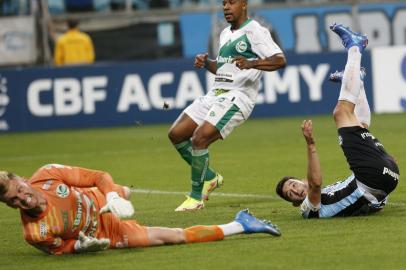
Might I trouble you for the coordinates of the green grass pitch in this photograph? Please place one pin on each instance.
(252, 160)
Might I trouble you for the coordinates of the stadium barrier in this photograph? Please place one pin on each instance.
(134, 93)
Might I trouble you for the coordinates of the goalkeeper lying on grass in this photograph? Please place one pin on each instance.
(70, 209)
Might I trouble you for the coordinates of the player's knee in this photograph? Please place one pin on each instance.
(179, 236)
(172, 236)
(199, 140)
(174, 135)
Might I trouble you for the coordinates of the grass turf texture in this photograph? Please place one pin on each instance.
(252, 160)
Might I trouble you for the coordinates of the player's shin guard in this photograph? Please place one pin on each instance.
(351, 82)
(185, 150)
(197, 234)
(362, 110)
(200, 165)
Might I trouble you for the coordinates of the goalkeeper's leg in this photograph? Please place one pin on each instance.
(244, 222)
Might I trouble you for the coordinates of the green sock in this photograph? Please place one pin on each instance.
(200, 165)
(185, 151)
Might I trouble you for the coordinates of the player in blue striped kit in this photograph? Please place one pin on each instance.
(375, 172)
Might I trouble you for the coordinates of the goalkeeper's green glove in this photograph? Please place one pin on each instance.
(90, 244)
(120, 207)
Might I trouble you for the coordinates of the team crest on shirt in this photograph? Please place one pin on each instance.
(241, 46)
(62, 191)
(340, 140)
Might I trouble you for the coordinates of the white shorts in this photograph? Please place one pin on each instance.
(219, 111)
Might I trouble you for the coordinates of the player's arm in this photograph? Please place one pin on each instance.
(314, 176)
(203, 61)
(81, 177)
(272, 63)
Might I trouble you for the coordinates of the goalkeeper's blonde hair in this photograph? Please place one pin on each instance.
(4, 178)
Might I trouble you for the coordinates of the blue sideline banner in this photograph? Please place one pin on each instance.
(303, 29)
(134, 93)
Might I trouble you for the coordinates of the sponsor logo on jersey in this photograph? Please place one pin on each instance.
(124, 243)
(366, 135)
(212, 114)
(65, 219)
(378, 144)
(47, 185)
(241, 46)
(222, 60)
(78, 216)
(43, 229)
(62, 191)
(391, 173)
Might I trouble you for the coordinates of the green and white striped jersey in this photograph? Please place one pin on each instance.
(251, 41)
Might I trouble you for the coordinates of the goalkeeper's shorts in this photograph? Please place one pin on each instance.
(124, 233)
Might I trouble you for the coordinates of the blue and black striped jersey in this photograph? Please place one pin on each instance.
(345, 198)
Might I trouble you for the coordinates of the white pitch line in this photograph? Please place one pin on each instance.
(230, 195)
(218, 194)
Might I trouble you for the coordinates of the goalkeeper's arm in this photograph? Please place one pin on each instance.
(82, 177)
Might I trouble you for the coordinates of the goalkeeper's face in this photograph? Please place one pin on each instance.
(20, 195)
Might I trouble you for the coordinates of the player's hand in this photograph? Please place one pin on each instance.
(200, 60)
(243, 63)
(307, 130)
(120, 207)
(91, 244)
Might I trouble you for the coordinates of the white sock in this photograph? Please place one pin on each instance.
(351, 82)
(362, 110)
(232, 228)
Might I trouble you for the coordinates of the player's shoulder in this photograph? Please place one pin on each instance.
(255, 26)
(225, 30)
(84, 35)
(308, 210)
(256, 32)
(48, 171)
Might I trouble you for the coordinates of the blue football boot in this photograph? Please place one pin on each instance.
(350, 38)
(338, 75)
(253, 225)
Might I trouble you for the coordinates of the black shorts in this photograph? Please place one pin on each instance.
(368, 159)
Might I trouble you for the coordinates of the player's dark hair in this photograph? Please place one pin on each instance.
(72, 23)
(279, 187)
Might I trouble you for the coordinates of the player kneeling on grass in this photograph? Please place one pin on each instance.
(375, 173)
(70, 209)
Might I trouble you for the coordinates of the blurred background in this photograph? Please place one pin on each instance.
(141, 56)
